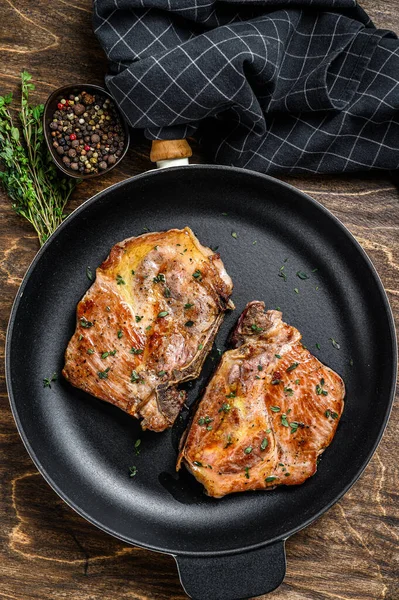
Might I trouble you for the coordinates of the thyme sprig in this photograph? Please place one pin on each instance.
(37, 191)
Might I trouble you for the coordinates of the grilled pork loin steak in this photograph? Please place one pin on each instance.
(270, 409)
(147, 324)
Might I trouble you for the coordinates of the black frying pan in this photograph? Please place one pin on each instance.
(234, 547)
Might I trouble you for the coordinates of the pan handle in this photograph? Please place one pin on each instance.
(170, 153)
(235, 576)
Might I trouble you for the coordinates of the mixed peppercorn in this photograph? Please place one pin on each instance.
(87, 133)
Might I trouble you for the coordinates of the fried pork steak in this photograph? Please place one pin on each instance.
(268, 412)
(147, 324)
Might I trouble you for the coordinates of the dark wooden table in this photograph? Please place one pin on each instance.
(49, 552)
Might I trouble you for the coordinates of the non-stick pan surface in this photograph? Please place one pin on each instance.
(84, 447)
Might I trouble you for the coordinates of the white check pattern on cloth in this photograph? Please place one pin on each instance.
(294, 86)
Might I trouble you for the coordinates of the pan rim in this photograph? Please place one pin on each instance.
(176, 552)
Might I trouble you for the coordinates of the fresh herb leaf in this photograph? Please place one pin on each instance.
(135, 377)
(292, 367)
(302, 275)
(167, 293)
(197, 274)
(138, 319)
(276, 381)
(197, 463)
(248, 450)
(159, 278)
(289, 391)
(119, 334)
(47, 381)
(188, 305)
(162, 314)
(260, 368)
(134, 350)
(284, 420)
(90, 351)
(264, 444)
(133, 471)
(120, 280)
(294, 426)
(137, 444)
(103, 374)
(282, 274)
(105, 355)
(296, 290)
(335, 343)
(89, 274)
(189, 323)
(200, 346)
(277, 355)
(247, 472)
(85, 323)
(133, 272)
(275, 408)
(318, 346)
(161, 373)
(234, 235)
(231, 395)
(351, 362)
(225, 407)
(256, 328)
(270, 478)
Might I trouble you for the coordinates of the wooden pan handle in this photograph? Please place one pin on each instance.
(169, 149)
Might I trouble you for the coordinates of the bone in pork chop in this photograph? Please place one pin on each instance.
(268, 412)
(147, 324)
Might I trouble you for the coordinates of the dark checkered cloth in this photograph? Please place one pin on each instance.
(306, 86)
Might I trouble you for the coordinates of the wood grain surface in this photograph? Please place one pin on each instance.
(49, 552)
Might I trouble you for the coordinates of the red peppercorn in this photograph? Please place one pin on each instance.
(60, 106)
(72, 137)
(87, 148)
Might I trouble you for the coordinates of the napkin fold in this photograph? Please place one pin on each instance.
(306, 86)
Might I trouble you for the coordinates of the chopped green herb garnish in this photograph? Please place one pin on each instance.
(284, 420)
(225, 407)
(103, 374)
(282, 274)
(136, 350)
(255, 328)
(47, 381)
(138, 319)
(89, 274)
(188, 305)
(297, 381)
(120, 280)
(197, 463)
(330, 413)
(214, 248)
(296, 290)
(335, 344)
(276, 381)
(137, 444)
(224, 214)
(289, 391)
(277, 355)
(85, 323)
(229, 440)
(302, 275)
(275, 408)
(264, 444)
(90, 351)
(257, 377)
(294, 426)
(201, 421)
(197, 274)
(158, 278)
(351, 362)
(319, 389)
(234, 235)
(133, 272)
(270, 478)
(200, 346)
(209, 428)
(167, 292)
(292, 367)
(268, 431)
(162, 314)
(119, 334)
(161, 373)
(135, 377)
(254, 242)
(247, 472)
(248, 450)
(231, 395)
(80, 338)
(132, 471)
(148, 328)
(105, 355)
(189, 323)
(318, 346)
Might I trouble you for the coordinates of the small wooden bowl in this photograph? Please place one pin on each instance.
(51, 106)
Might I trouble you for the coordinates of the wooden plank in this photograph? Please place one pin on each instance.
(46, 550)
